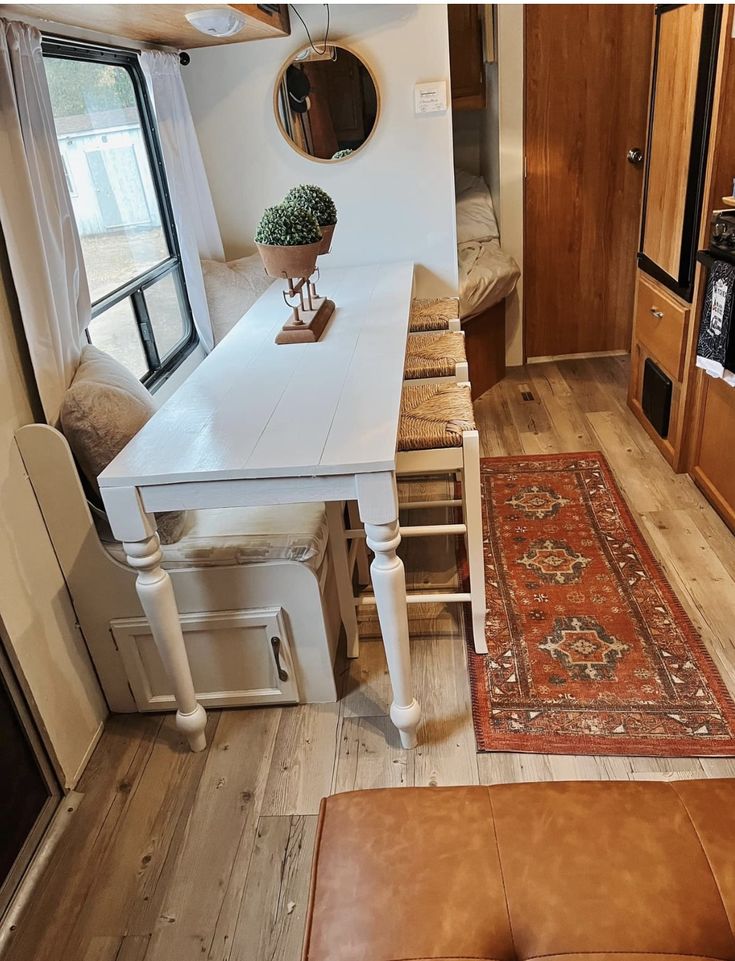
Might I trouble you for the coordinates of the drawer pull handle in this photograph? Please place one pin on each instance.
(658, 314)
(276, 645)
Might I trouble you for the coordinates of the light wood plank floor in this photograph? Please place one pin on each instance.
(174, 857)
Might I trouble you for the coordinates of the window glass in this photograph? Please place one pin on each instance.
(116, 332)
(164, 309)
(114, 171)
(104, 151)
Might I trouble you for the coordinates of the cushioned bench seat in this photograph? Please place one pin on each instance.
(600, 871)
(245, 535)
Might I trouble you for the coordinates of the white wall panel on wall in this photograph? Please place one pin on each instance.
(38, 618)
(395, 197)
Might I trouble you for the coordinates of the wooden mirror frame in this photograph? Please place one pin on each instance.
(279, 122)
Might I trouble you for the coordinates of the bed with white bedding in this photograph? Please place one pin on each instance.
(487, 275)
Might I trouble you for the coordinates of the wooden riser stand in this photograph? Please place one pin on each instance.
(309, 316)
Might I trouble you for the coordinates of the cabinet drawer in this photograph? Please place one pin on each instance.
(661, 326)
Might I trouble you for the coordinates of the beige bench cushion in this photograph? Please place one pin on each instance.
(103, 409)
(232, 289)
(246, 535)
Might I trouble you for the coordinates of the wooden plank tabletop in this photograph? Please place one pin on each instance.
(257, 409)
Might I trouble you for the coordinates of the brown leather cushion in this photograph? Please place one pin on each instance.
(580, 871)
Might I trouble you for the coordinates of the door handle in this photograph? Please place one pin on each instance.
(276, 646)
(634, 156)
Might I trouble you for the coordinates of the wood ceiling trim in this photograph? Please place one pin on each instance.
(148, 23)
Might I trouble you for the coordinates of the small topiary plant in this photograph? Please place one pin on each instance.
(341, 154)
(316, 200)
(287, 225)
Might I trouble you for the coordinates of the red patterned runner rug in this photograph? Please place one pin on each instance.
(590, 650)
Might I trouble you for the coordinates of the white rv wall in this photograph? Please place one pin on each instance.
(45, 645)
(395, 198)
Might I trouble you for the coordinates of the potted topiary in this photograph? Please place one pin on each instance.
(289, 240)
(320, 204)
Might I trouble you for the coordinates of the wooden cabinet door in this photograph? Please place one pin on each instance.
(466, 62)
(237, 658)
(672, 120)
(587, 80)
(713, 466)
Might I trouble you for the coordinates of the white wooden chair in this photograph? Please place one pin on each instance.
(258, 605)
(435, 353)
(437, 435)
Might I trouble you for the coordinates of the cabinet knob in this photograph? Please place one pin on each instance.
(658, 314)
(634, 156)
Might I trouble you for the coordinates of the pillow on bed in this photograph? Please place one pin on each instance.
(465, 181)
(475, 212)
(104, 408)
(231, 290)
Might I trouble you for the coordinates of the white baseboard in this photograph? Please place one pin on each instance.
(72, 782)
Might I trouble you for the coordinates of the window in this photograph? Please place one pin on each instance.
(112, 159)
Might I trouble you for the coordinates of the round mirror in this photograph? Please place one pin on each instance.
(327, 104)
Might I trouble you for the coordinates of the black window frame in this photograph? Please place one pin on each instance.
(134, 289)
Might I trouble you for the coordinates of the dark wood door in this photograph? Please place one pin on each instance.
(587, 71)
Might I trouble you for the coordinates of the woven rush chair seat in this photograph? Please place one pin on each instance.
(434, 416)
(434, 355)
(433, 313)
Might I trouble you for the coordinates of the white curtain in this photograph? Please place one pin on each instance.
(37, 219)
(196, 221)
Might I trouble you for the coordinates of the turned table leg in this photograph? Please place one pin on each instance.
(389, 584)
(156, 594)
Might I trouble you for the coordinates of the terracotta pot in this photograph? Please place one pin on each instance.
(327, 232)
(298, 260)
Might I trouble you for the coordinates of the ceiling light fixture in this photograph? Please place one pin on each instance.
(217, 22)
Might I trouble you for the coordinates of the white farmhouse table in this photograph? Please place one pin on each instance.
(264, 424)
